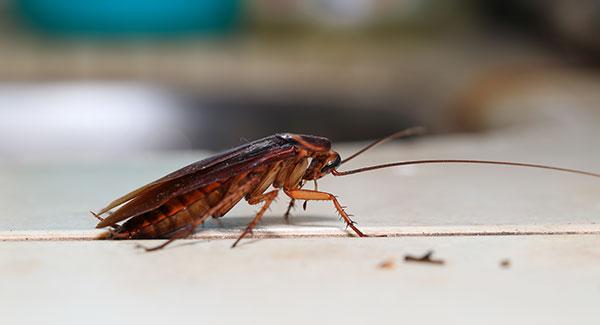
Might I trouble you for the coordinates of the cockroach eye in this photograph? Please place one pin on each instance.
(332, 164)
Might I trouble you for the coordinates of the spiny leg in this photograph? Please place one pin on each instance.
(286, 216)
(267, 198)
(310, 195)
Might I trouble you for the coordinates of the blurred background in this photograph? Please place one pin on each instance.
(105, 78)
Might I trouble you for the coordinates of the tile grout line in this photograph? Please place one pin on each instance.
(293, 232)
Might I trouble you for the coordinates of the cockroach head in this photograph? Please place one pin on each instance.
(322, 164)
(324, 160)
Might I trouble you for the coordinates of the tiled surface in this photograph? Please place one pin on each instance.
(550, 280)
(427, 199)
(48, 273)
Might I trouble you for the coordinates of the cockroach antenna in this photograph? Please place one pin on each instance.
(420, 130)
(417, 130)
(461, 161)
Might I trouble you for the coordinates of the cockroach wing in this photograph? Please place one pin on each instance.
(213, 169)
(202, 165)
(187, 170)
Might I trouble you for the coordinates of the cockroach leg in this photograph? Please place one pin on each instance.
(286, 216)
(305, 204)
(292, 204)
(180, 234)
(310, 195)
(268, 199)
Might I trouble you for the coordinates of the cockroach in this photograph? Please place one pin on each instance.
(173, 206)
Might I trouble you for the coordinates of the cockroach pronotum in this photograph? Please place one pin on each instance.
(173, 206)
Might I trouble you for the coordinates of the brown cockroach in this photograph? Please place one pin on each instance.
(173, 206)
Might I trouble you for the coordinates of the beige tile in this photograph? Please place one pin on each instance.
(550, 280)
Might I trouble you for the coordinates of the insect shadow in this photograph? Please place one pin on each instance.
(235, 222)
(238, 222)
(250, 241)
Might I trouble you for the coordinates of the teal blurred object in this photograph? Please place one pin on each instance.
(115, 18)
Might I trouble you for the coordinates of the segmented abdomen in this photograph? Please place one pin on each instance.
(175, 214)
